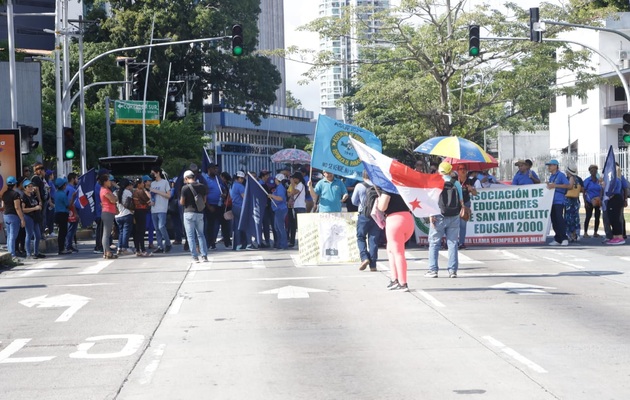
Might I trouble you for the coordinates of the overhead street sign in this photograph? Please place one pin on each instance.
(129, 112)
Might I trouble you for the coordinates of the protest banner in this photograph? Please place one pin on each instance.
(504, 215)
(328, 238)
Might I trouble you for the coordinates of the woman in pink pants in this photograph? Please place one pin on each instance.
(398, 229)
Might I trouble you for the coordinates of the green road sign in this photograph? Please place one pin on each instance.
(129, 112)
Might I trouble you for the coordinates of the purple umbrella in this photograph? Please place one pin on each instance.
(292, 156)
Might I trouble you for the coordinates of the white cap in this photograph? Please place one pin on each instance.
(188, 173)
(240, 174)
(281, 177)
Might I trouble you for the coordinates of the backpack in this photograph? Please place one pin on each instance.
(200, 204)
(371, 195)
(449, 200)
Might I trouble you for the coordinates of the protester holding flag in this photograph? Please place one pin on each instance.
(399, 227)
(329, 193)
(614, 203)
(237, 192)
(280, 209)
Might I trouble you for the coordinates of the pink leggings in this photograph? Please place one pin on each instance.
(398, 229)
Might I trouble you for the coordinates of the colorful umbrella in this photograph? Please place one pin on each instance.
(455, 147)
(293, 156)
(473, 165)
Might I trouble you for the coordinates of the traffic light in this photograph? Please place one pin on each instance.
(534, 18)
(137, 85)
(626, 127)
(27, 138)
(68, 144)
(473, 40)
(237, 40)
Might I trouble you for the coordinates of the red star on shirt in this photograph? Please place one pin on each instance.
(415, 204)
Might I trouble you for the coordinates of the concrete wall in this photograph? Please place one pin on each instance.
(522, 145)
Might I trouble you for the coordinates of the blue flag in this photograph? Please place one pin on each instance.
(610, 177)
(333, 152)
(85, 198)
(254, 203)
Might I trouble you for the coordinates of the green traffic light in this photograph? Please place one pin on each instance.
(69, 154)
(626, 138)
(237, 51)
(473, 51)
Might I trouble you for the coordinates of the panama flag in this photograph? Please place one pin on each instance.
(83, 200)
(420, 191)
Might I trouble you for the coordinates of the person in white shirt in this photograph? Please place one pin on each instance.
(160, 194)
(297, 195)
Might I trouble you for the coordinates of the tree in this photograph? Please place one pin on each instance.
(247, 83)
(416, 81)
(292, 101)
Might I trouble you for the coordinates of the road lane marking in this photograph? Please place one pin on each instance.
(38, 268)
(522, 288)
(462, 258)
(430, 298)
(625, 258)
(381, 267)
(203, 266)
(73, 303)
(85, 284)
(512, 256)
(564, 262)
(95, 269)
(293, 292)
(150, 369)
(257, 262)
(296, 278)
(177, 304)
(515, 355)
(14, 347)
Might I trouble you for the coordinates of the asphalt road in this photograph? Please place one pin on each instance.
(519, 323)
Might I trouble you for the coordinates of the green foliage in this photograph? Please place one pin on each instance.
(293, 102)
(419, 81)
(297, 142)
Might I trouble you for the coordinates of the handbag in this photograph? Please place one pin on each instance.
(378, 216)
(464, 213)
(575, 192)
(596, 202)
(228, 215)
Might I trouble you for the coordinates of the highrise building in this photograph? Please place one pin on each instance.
(333, 82)
(271, 37)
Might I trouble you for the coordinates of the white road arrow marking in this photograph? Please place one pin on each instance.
(73, 302)
(96, 268)
(522, 288)
(293, 292)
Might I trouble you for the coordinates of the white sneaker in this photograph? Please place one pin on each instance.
(554, 243)
(564, 243)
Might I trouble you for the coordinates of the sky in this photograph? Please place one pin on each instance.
(300, 12)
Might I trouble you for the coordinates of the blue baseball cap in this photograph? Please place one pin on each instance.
(146, 178)
(11, 180)
(552, 162)
(59, 182)
(111, 177)
(26, 183)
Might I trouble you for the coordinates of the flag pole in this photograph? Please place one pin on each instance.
(258, 183)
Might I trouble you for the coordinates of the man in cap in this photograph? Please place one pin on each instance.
(267, 222)
(193, 215)
(524, 175)
(213, 215)
(237, 193)
(558, 181)
(73, 222)
(592, 200)
(13, 215)
(329, 193)
(446, 223)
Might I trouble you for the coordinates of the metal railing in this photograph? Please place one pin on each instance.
(616, 111)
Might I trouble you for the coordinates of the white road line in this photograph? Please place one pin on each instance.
(511, 256)
(411, 257)
(463, 259)
(297, 278)
(38, 268)
(95, 269)
(381, 267)
(430, 298)
(150, 369)
(204, 266)
(564, 263)
(515, 355)
(257, 262)
(624, 258)
(86, 284)
(177, 304)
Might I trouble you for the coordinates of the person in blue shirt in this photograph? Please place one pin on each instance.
(62, 208)
(280, 210)
(217, 193)
(237, 193)
(524, 175)
(592, 200)
(73, 223)
(329, 193)
(558, 181)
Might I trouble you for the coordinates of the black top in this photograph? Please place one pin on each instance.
(8, 199)
(396, 204)
(39, 183)
(470, 180)
(189, 198)
(30, 202)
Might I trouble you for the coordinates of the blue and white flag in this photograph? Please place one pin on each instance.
(333, 152)
(85, 198)
(254, 203)
(610, 177)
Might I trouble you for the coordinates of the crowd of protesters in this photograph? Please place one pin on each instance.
(128, 210)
